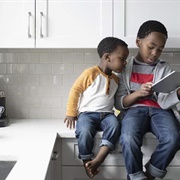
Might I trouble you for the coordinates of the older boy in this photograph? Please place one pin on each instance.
(143, 110)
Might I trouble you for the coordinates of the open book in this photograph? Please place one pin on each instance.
(168, 83)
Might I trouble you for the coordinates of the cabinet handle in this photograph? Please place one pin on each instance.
(41, 15)
(29, 24)
(55, 155)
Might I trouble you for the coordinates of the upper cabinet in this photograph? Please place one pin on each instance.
(17, 23)
(130, 14)
(82, 23)
(54, 23)
(72, 23)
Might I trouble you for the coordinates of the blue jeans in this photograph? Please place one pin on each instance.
(88, 124)
(135, 124)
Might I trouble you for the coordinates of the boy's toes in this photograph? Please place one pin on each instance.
(88, 171)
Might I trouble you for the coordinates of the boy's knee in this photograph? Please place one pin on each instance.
(127, 140)
(173, 139)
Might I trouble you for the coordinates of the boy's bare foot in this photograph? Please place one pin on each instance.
(88, 172)
(93, 166)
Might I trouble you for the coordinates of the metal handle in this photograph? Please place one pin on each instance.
(29, 24)
(55, 155)
(41, 15)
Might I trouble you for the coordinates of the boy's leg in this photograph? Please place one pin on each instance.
(86, 129)
(134, 125)
(111, 132)
(93, 165)
(165, 127)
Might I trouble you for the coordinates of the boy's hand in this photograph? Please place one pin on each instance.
(145, 89)
(70, 121)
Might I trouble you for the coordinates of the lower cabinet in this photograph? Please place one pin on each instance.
(106, 173)
(72, 168)
(113, 167)
(54, 169)
(65, 164)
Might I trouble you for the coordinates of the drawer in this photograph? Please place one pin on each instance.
(106, 173)
(70, 153)
(172, 173)
(109, 173)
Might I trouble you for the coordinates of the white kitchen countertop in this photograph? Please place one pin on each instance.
(30, 142)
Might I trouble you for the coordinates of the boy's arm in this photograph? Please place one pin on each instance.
(132, 98)
(123, 98)
(73, 100)
(77, 89)
(167, 100)
(80, 85)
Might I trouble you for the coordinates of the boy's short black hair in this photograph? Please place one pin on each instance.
(109, 44)
(151, 26)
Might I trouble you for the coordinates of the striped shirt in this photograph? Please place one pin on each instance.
(142, 73)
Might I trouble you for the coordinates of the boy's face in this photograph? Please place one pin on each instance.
(118, 58)
(150, 47)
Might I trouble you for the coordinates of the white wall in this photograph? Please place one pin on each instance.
(37, 81)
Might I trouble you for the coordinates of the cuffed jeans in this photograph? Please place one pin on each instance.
(88, 124)
(163, 124)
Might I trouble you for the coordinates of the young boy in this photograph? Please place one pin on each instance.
(143, 110)
(91, 102)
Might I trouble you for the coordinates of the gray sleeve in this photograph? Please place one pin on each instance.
(168, 100)
(121, 92)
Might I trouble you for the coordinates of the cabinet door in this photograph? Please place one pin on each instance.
(129, 15)
(56, 160)
(172, 173)
(106, 173)
(70, 153)
(72, 23)
(17, 23)
(54, 168)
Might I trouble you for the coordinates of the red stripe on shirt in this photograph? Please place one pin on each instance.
(141, 78)
(148, 102)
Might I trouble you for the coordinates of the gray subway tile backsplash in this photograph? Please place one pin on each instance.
(37, 81)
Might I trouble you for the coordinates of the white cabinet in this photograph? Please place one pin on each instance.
(106, 173)
(54, 168)
(54, 23)
(72, 167)
(82, 24)
(113, 167)
(73, 23)
(129, 15)
(17, 23)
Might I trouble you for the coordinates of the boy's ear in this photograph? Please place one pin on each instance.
(106, 56)
(138, 41)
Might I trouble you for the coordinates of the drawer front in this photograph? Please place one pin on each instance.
(109, 173)
(106, 173)
(172, 173)
(70, 153)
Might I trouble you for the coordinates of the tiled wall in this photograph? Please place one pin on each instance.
(37, 81)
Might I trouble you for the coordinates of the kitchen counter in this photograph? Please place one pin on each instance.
(30, 142)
